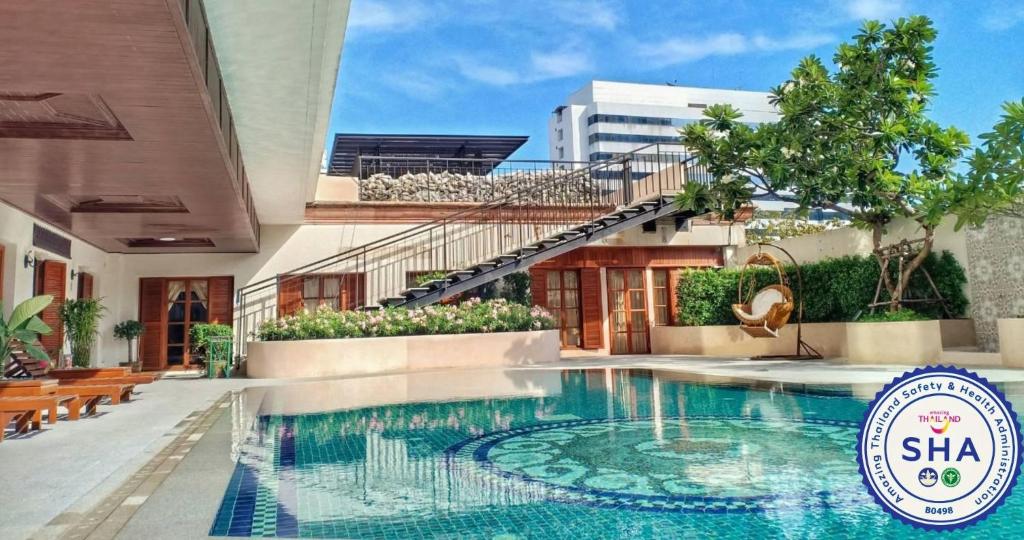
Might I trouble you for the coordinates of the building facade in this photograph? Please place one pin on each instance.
(606, 118)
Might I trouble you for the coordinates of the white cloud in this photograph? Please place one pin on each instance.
(542, 66)
(682, 50)
(874, 9)
(383, 16)
(587, 13)
(1003, 16)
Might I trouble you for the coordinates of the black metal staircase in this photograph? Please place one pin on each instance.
(549, 215)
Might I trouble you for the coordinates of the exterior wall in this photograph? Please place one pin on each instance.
(996, 275)
(18, 281)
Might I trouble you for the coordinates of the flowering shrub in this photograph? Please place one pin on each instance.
(470, 317)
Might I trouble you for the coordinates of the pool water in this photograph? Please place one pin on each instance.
(609, 454)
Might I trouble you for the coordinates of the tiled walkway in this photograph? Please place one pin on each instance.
(71, 466)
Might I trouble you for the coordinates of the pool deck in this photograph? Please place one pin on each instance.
(63, 473)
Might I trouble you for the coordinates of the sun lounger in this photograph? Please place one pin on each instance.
(38, 404)
(21, 421)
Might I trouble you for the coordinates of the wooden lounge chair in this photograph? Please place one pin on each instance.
(100, 376)
(38, 404)
(21, 421)
(89, 395)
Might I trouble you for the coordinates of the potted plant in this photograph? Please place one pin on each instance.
(22, 329)
(81, 319)
(130, 332)
(201, 335)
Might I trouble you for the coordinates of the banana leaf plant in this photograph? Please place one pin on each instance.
(22, 329)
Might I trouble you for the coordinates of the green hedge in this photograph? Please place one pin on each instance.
(834, 289)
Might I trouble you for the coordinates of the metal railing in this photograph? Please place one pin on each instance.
(468, 237)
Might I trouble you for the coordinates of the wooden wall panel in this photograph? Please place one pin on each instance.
(538, 287)
(152, 315)
(636, 257)
(590, 293)
(1, 273)
(50, 279)
(289, 294)
(353, 291)
(222, 299)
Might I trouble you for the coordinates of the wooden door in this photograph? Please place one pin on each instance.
(563, 300)
(188, 304)
(152, 315)
(85, 280)
(627, 306)
(50, 279)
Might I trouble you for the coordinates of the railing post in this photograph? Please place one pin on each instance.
(444, 245)
(627, 180)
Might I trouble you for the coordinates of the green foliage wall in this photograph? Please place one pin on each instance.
(835, 290)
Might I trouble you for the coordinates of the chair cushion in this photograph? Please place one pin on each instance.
(764, 300)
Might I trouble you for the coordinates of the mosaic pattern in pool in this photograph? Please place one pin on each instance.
(614, 455)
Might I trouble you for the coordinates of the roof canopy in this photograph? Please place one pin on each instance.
(348, 146)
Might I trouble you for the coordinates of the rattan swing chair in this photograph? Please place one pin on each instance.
(763, 312)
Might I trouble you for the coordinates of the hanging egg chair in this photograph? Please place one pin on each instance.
(764, 312)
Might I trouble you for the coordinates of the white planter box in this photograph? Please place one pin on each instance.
(367, 356)
(914, 342)
(1011, 342)
(908, 342)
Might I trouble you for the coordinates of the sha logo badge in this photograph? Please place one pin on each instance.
(940, 448)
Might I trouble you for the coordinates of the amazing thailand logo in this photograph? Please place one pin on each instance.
(940, 448)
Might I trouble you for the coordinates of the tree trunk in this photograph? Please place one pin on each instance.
(883, 258)
(908, 270)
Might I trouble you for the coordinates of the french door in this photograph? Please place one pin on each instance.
(627, 305)
(563, 301)
(187, 305)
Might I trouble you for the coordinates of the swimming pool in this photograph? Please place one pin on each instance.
(587, 454)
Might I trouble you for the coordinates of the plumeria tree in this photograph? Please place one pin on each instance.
(857, 138)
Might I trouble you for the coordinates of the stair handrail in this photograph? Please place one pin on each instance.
(439, 222)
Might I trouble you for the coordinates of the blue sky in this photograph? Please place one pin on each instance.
(498, 67)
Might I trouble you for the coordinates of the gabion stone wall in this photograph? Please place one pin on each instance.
(454, 187)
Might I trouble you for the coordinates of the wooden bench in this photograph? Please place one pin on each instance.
(116, 392)
(21, 421)
(38, 404)
(117, 375)
(89, 398)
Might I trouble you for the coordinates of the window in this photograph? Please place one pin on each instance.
(630, 138)
(321, 291)
(561, 152)
(561, 134)
(662, 310)
(558, 114)
(697, 105)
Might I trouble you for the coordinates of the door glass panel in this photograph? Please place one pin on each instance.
(637, 321)
(175, 333)
(175, 291)
(636, 299)
(554, 299)
(571, 280)
(636, 279)
(571, 300)
(660, 278)
(332, 288)
(199, 310)
(616, 280)
(175, 355)
(176, 313)
(311, 287)
(554, 283)
(619, 301)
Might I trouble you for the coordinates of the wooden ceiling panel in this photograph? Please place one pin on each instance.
(137, 58)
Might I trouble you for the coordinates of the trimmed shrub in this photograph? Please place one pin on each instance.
(470, 317)
(835, 290)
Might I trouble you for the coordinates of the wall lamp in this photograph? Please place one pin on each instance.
(73, 274)
(30, 259)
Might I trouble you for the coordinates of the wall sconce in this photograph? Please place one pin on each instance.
(30, 259)
(73, 274)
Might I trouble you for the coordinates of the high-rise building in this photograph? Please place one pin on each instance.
(606, 118)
